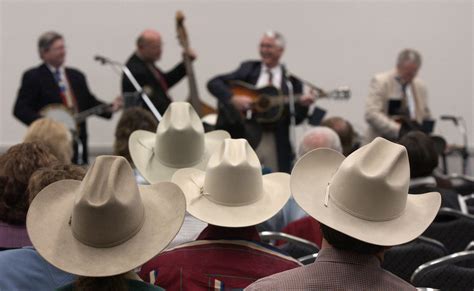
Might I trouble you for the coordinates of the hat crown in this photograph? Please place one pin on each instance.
(180, 136)
(108, 209)
(372, 183)
(234, 174)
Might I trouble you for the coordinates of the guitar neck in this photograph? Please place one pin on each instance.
(83, 115)
(193, 89)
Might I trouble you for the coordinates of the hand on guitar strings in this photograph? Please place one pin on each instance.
(242, 102)
(117, 104)
(307, 99)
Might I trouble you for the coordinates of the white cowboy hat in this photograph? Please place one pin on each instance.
(364, 195)
(104, 225)
(232, 191)
(179, 142)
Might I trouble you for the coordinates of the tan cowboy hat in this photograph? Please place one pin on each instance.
(104, 225)
(232, 191)
(179, 142)
(364, 195)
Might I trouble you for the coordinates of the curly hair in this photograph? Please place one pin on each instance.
(54, 135)
(132, 119)
(45, 176)
(18, 164)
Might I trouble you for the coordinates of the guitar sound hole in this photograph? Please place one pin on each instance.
(263, 103)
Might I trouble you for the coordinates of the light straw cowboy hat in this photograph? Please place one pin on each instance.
(364, 195)
(232, 191)
(179, 142)
(104, 225)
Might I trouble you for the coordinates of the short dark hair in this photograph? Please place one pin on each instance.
(344, 130)
(132, 119)
(344, 242)
(422, 153)
(46, 40)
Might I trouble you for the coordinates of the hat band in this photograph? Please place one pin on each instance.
(108, 244)
(351, 212)
(178, 165)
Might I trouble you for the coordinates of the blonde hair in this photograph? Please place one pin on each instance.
(54, 135)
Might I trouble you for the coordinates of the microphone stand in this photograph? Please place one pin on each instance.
(134, 82)
(291, 103)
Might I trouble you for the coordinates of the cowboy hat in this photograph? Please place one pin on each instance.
(104, 225)
(232, 191)
(179, 142)
(364, 195)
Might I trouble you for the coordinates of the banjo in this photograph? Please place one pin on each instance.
(70, 119)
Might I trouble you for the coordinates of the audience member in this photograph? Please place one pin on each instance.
(105, 226)
(179, 142)
(344, 130)
(25, 269)
(54, 135)
(232, 196)
(362, 204)
(423, 160)
(132, 119)
(18, 163)
(316, 137)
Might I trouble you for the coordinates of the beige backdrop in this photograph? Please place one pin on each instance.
(330, 43)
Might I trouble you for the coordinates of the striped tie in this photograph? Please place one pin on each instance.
(62, 88)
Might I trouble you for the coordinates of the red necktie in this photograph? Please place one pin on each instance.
(158, 77)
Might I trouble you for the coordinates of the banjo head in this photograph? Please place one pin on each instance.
(61, 114)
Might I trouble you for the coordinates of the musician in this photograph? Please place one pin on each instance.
(395, 98)
(154, 81)
(275, 149)
(54, 83)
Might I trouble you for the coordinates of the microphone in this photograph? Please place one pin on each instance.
(101, 59)
(450, 117)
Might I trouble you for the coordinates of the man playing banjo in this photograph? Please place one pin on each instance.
(54, 87)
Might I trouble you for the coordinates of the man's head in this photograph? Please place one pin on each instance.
(421, 153)
(344, 242)
(149, 45)
(344, 130)
(52, 49)
(319, 137)
(408, 64)
(272, 46)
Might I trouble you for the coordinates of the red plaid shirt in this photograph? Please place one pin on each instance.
(221, 259)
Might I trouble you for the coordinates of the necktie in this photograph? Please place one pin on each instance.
(404, 111)
(62, 89)
(270, 77)
(158, 76)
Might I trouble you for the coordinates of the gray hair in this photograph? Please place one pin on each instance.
(319, 137)
(46, 40)
(409, 55)
(278, 37)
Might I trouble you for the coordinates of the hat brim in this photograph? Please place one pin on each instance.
(142, 144)
(51, 235)
(276, 193)
(308, 183)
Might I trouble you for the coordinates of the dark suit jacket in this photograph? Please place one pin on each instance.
(39, 88)
(249, 72)
(145, 77)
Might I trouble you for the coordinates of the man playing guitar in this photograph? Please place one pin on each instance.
(274, 149)
(53, 83)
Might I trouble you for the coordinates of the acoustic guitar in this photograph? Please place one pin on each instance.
(201, 108)
(269, 103)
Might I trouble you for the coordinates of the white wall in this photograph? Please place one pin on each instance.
(330, 43)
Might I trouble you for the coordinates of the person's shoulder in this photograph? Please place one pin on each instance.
(35, 71)
(384, 76)
(250, 64)
(280, 281)
(394, 282)
(419, 83)
(72, 71)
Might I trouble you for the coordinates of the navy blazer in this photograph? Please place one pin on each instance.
(39, 89)
(158, 95)
(249, 72)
